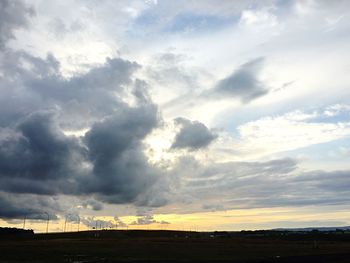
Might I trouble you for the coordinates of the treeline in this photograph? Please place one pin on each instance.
(15, 232)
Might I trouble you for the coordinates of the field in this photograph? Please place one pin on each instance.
(174, 246)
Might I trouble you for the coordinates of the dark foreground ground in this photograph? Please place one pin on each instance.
(172, 246)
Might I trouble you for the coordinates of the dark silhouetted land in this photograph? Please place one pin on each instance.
(177, 246)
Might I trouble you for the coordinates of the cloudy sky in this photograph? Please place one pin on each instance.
(182, 114)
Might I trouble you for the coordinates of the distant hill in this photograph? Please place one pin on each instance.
(344, 228)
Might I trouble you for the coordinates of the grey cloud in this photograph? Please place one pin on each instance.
(97, 223)
(143, 211)
(213, 207)
(89, 97)
(60, 29)
(145, 220)
(157, 195)
(243, 83)
(148, 220)
(14, 14)
(93, 204)
(192, 135)
(257, 184)
(169, 69)
(339, 180)
(72, 217)
(119, 222)
(37, 84)
(19, 70)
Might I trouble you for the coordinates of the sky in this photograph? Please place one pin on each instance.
(191, 115)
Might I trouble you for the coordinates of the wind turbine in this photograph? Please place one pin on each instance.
(65, 222)
(24, 221)
(47, 224)
(78, 222)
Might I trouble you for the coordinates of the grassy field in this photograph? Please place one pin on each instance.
(168, 246)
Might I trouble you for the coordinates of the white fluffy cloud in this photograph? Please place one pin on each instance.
(287, 132)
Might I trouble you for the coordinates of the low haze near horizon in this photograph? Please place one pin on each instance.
(195, 115)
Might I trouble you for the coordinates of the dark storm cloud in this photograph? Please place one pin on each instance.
(38, 104)
(14, 14)
(120, 169)
(29, 206)
(192, 135)
(243, 83)
(37, 157)
(39, 150)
